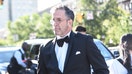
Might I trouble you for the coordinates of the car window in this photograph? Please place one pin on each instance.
(5, 56)
(34, 51)
(104, 50)
(115, 51)
(35, 46)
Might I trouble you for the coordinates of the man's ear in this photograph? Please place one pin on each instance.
(70, 22)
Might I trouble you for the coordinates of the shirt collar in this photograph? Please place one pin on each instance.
(22, 50)
(68, 34)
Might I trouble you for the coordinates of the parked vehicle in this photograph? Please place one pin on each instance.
(35, 46)
(104, 50)
(5, 55)
(108, 56)
(115, 51)
(34, 49)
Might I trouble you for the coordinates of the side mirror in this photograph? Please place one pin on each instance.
(116, 54)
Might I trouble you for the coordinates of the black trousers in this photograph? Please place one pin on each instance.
(13, 70)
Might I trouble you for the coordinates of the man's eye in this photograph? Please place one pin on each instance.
(59, 20)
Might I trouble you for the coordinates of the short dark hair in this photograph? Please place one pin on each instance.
(69, 13)
(80, 29)
(126, 40)
(25, 45)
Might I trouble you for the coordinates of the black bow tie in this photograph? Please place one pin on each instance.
(60, 42)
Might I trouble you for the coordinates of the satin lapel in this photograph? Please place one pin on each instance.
(53, 60)
(69, 48)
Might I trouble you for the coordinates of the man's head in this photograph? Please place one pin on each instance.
(62, 20)
(81, 29)
(25, 46)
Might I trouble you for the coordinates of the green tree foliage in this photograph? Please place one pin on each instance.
(94, 26)
(3, 42)
(115, 22)
(88, 4)
(109, 23)
(45, 28)
(25, 26)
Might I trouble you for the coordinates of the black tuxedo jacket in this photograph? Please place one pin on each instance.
(81, 53)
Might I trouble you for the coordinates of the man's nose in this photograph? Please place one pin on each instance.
(54, 22)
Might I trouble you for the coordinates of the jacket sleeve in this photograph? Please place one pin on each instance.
(97, 61)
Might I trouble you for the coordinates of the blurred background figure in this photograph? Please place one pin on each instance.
(126, 51)
(81, 29)
(18, 61)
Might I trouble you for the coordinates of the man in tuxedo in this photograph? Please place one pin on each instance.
(69, 52)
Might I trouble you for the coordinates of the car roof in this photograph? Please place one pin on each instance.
(44, 41)
(37, 41)
(97, 40)
(12, 48)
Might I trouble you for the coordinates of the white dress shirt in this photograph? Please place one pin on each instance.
(61, 53)
(131, 59)
(18, 56)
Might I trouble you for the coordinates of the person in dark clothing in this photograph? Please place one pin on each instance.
(69, 52)
(126, 46)
(82, 30)
(18, 60)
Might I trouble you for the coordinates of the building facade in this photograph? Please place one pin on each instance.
(13, 9)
